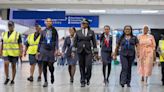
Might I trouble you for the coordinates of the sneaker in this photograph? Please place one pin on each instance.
(6, 81)
(30, 79)
(45, 84)
(39, 79)
(52, 79)
(12, 82)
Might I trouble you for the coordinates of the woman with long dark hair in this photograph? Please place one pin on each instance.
(106, 52)
(127, 44)
(67, 51)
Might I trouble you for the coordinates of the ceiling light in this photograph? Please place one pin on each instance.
(149, 11)
(97, 11)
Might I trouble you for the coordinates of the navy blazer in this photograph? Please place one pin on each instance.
(67, 46)
(130, 51)
(85, 43)
(104, 48)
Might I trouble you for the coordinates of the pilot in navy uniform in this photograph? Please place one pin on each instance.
(85, 44)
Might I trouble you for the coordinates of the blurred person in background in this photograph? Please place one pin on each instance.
(67, 51)
(160, 51)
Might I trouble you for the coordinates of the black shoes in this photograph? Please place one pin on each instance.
(88, 83)
(106, 81)
(30, 79)
(128, 85)
(52, 79)
(39, 79)
(6, 81)
(122, 85)
(142, 79)
(45, 84)
(71, 80)
(82, 84)
(12, 82)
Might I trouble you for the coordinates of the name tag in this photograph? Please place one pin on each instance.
(48, 41)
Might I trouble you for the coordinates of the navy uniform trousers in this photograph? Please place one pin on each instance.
(85, 65)
(126, 62)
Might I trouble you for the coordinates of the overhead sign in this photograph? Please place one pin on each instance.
(72, 21)
(17, 14)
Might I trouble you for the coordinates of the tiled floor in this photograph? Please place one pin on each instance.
(62, 81)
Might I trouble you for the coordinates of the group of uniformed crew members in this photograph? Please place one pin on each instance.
(81, 46)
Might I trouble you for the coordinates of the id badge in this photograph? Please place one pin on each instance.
(48, 41)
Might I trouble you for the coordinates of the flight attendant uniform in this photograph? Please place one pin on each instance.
(127, 56)
(67, 49)
(106, 52)
(47, 46)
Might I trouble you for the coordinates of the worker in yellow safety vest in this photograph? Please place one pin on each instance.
(11, 50)
(160, 50)
(31, 47)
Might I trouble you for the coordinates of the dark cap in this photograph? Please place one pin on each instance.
(37, 25)
(10, 23)
(86, 21)
(162, 35)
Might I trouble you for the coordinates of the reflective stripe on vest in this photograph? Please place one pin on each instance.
(161, 46)
(10, 44)
(33, 45)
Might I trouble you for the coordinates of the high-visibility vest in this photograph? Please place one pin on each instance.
(161, 46)
(10, 44)
(33, 45)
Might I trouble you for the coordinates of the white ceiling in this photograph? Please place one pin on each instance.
(107, 11)
(84, 4)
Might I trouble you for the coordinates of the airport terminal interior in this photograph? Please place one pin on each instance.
(66, 14)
